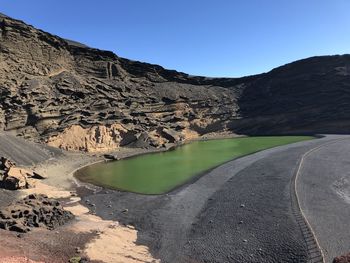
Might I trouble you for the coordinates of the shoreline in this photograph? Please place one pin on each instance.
(61, 183)
(177, 188)
(164, 221)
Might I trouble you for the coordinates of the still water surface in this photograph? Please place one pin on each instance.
(158, 173)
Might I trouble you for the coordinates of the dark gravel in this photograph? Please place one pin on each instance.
(25, 153)
(324, 190)
(239, 212)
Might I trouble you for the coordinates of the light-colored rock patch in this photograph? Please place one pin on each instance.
(94, 139)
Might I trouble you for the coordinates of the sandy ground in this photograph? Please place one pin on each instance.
(114, 243)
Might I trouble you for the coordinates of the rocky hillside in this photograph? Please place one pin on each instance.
(78, 98)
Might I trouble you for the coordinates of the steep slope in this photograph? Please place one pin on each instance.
(306, 96)
(78, 98)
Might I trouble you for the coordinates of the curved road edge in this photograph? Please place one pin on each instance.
(314, 249)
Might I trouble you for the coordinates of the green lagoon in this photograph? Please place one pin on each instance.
(158, 173)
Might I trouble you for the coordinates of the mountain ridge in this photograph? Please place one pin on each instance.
(80, 98)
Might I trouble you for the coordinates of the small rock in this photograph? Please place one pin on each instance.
(125, 210)
(242, 205)
(38, 176)
(245, 240)
(240, 222)
(110, 156)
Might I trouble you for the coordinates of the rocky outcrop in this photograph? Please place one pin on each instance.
(14, 178)
(92, 139)
(79, 98)
(33, 211)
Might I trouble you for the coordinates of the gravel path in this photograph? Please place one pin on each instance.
(242, 211)
(324, 191)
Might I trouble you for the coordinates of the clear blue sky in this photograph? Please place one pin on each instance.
(200, 37)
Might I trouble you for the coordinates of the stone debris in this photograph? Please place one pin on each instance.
(33, 211)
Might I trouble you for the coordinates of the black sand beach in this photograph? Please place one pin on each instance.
(242, 211)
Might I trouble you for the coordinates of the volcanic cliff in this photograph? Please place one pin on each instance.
(79, 98)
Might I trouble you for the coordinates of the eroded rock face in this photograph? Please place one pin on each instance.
(79, 98)
(33, 211)
(93, 139)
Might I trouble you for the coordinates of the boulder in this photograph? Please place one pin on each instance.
(16, 178)
(171, 135)
(6, 164)
(13, 178)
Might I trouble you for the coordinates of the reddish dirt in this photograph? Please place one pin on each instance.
(41, 246)
(342, 259)
(18, 260)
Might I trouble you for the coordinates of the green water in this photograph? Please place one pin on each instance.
(159, 173)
